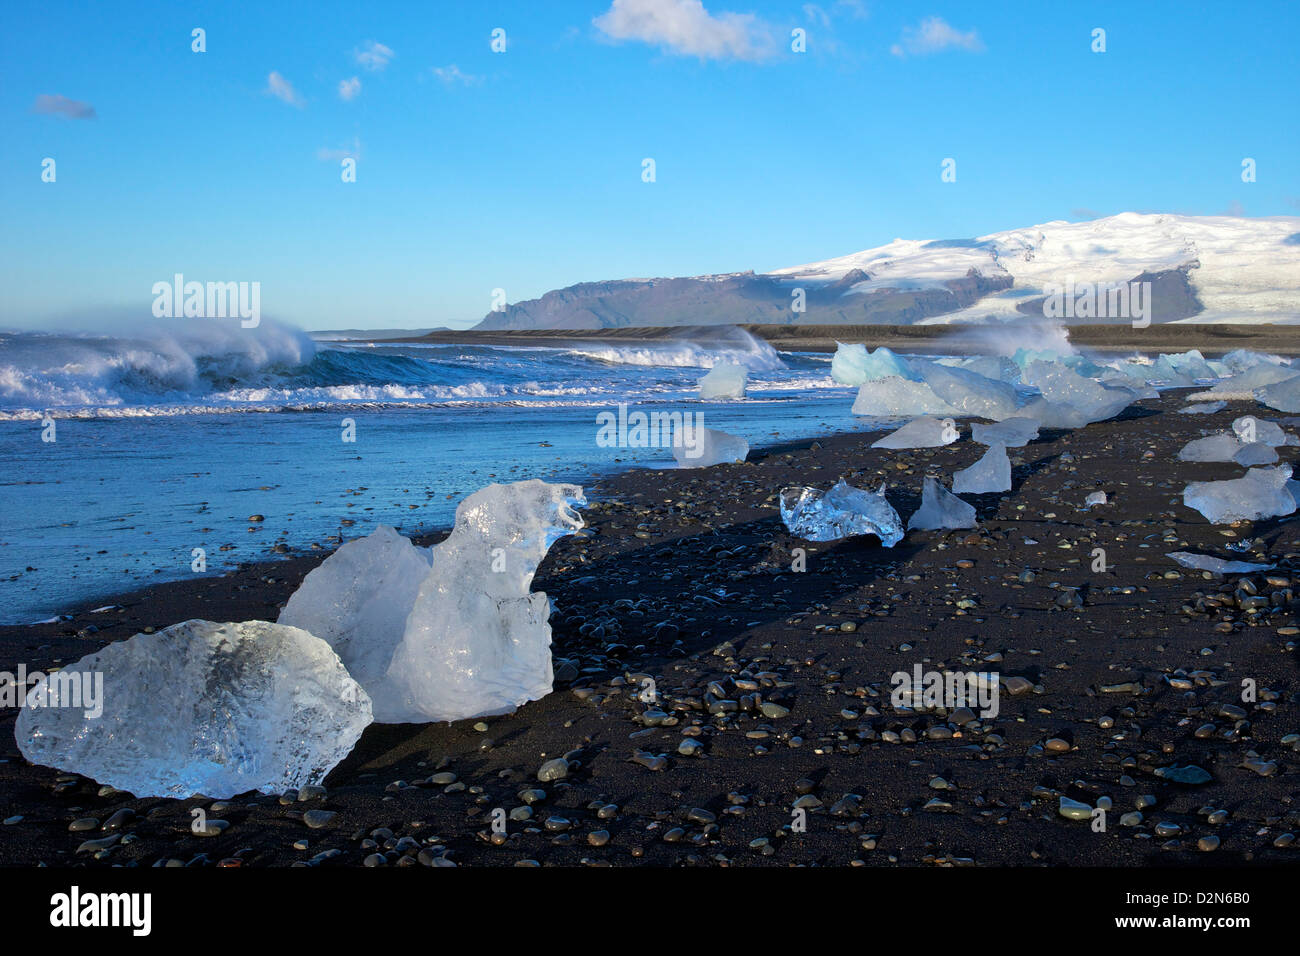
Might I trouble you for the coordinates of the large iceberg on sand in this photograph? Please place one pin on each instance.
(1010, 432)
(1069, 400)
(894, 397)
(1283, 395)
(854, 365)
(969, 392)
(992, 473)
(724, 380)
(473, 639)
(940, 510)
(923, 432)
(357, 601)
(701, 447)
(1220, 447)
(842, 512)
(1262, 493)
(199, 708)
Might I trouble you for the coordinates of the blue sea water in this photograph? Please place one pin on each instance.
(170, 439)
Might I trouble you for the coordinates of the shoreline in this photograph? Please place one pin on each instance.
(687, 577)
(1211, 339)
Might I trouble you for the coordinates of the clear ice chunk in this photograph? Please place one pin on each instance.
(969, 392)
(700, 447)
(922, 432)
(357, 601)
(477, 641)
(940, 510)
(894, 397)
(199, 708)
(1205, 408)
(992, 473)
(724, 380)
(1010, 432)
(1262, 493)
(842, 512)
(1249, 429)
(854, 365)
(1219, 447)
(1256, 453)
(1205, 562)
(1069, 400)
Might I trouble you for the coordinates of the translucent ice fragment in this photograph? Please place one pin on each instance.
(923, 432)
(992, 473)
(1220, 447)
(893, 397)
(724, 380)
(1205, 562)
(940, 509)
(700, 447)
(1262, 493)
(199, 708)
(854, 365)
(1010, 432)
(842, 512)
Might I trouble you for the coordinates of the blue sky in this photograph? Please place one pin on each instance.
(522, 170)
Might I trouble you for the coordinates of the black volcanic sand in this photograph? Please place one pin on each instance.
(685, 577)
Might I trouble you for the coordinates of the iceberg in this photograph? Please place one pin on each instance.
(200, 708)
(1010, 432)
(992, 473)
(1069, 400)
(1190, 364)
(708, 447)
(477, 641)
(1255, 377)
(1256, 453)
(842, 512)
(472, 640)
(1220, 447)
(1248, 429)
(1283, 396)
(921, 433)
(724, 380)
(969, 392)
(1262, 493)
(1205, 562)
(893, 397)
(357, 601)
(940, 510)
(854, 365)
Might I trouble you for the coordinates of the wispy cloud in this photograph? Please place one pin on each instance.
(935, 35)
(348, 89)
(685, 28)
(282, 89)
(452, 75)
(337, 155)
(51, 104)
(374, 56)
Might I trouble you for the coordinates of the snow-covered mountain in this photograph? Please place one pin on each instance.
(1222, 269)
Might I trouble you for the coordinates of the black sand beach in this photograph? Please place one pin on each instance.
(774, 686)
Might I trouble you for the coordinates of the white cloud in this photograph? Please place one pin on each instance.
(934, 35)
(451, 75)
(337, 155)
(52, 104)
(348, 89)
(374, 56)
(684, 27)
(282, 89)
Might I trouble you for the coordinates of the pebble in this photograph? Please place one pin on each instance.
(318, 818)
(556, 769)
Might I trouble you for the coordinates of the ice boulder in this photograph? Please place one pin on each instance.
(724, 380)
(922, 432)
(894, 397)
(477, 641)
(1249, 429)
(1256, 453)
(358, 598)
(969, 392)
(199, 708)
(1191, 364)
(1262, 493)
(1256, 377)
(842, 512)
(1010, 432)
(700, 447)
(1206, 562)
(940, 510)
(1205, 408)
(1069, 400)
(992, 473)
(1220, 447)
(854, 365)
